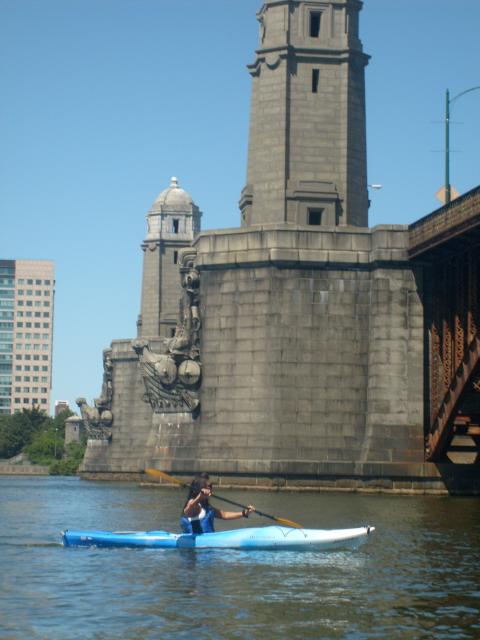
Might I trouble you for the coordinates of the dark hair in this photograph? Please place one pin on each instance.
(201, 481)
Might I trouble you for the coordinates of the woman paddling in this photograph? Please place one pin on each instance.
(198, 514)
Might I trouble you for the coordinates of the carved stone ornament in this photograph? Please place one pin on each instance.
(172, 379)
(97, 419)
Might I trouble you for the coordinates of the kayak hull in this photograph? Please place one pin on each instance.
(249, 538)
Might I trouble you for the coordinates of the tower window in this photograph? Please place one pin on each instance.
(172, 332)
(175, 224)
(175, 257)
(315, 80)
(315, 216)
(315, 22)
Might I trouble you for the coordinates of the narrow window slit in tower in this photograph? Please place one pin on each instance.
(315, 21)
(172, 332)
(315, 80)
(175, 226)
(175, 257)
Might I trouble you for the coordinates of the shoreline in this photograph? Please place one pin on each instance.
(23, 470)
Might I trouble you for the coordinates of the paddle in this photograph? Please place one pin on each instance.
(161, 474)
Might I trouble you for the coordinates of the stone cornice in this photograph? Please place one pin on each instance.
(274, 55)
(301, 247)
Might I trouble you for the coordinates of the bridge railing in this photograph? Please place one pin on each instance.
(448, 221)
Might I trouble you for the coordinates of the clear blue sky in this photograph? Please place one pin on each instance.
(104, 100)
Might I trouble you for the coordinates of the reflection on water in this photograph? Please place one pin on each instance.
(417, 577)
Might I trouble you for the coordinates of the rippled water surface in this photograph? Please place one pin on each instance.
(417, 577)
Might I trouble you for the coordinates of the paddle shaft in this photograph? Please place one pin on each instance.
(237, 504)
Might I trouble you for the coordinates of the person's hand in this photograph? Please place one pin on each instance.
(248, 510)
(204, 493)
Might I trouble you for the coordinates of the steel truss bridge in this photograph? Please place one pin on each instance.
(445, 245)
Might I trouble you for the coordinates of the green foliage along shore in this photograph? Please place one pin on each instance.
(41, 439)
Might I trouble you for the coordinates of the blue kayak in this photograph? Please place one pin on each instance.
(249, 538)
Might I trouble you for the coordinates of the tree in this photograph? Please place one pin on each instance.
(19, 429)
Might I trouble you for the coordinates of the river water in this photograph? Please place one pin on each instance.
(418, 576)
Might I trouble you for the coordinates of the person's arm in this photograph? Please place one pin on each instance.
(190, 509)
(234, 515)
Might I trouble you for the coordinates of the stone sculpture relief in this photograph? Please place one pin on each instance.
(98, 419)
(172, 379)
(107, 384)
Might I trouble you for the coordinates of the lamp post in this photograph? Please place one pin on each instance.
(449, 101)
(55, 444)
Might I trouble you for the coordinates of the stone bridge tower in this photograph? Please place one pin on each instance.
(307, 148)
(172, 223)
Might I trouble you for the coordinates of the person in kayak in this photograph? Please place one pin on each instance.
(198, 514)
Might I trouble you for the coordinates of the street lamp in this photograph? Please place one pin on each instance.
(55, 444)
(449, 101)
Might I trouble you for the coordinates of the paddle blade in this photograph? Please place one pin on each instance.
(288, 523)
(155, 473)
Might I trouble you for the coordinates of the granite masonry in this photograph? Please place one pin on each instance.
(296, 356)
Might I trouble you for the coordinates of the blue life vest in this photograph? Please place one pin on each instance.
(201, 525)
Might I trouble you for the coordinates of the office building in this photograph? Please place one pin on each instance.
(26, 334)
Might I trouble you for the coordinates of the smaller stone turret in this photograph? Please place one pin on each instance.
(172, 223)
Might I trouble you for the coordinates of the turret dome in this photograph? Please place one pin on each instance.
(174, 196)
